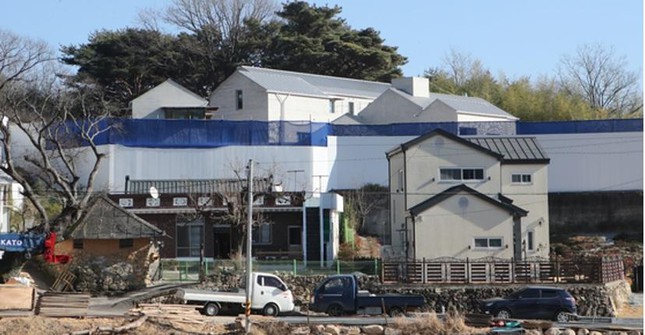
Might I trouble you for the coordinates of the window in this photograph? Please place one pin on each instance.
(189, 237)
(180, 201)
(126, 202)
(239, 99)
(295, 235)
(488, 243)
(273, 282)
(78, 244)
(401, 180)
(126, 243)
(332, 107)
(529, 240)
(549, 294)
(335, 286)
(521, 178)
(459, 174)
(467, 131)
(152, 202)
(530, 294)
(262, 233)
(350, 107)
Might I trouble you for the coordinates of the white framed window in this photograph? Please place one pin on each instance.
(461, 174)
(152, 202)
(204, 201)
(283, 201)
(488, 243)
(180, 201)
(262, 234)
(521, 178)
(126, 202)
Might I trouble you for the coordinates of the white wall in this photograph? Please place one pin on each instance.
(579, 162)
(148, 105)
(594, 162)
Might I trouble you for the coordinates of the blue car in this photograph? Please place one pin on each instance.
(533, 302)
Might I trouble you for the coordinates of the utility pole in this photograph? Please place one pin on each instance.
(249, 231)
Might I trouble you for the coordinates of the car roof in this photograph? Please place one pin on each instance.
(546, 288)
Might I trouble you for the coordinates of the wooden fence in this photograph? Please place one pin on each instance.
(503, 271)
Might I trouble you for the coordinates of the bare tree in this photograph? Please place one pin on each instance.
(219, 22)
(596, 74)
(20, 56)
(365, 200)
(46, 128)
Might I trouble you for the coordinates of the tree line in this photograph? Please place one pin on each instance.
(217, 36)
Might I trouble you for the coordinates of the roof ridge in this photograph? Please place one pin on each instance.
(253, 68)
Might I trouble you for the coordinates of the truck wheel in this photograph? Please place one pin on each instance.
(335, 310)
(271, 310)
(211, 309)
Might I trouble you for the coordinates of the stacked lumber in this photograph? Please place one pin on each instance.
(170, 313)
(59, 304)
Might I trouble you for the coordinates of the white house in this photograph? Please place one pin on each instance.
(169, 100)
(410, 101)
(258, 94)
(468, 197)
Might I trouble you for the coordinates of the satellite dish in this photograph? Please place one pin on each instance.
(153, 192)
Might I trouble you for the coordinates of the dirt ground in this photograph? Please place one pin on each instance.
(56, 326)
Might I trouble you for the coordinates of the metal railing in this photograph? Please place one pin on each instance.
(188, 270)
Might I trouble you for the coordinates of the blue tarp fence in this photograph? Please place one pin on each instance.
(218, 133)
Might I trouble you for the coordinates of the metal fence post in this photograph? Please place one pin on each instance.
(295, 267)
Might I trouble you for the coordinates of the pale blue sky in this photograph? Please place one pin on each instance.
(517, 37)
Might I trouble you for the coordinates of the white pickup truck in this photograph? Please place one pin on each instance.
(269, 295)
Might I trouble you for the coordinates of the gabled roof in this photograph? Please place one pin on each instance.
(440, 132)
(176, 85)
(514, 149)
(464, 104)
(509, 149)
(107, 220)
(348, 119)
(312, 84)
(198, 186)
(512, 209)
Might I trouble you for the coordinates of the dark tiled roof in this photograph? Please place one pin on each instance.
(513, 149)
(430, 202)
(197, 186)
(107, 220)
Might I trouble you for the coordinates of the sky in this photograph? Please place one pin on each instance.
(514, 37)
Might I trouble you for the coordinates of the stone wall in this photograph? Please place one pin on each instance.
(598, 300)
(597, 212)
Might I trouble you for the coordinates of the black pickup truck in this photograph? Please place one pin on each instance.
(339, 294)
